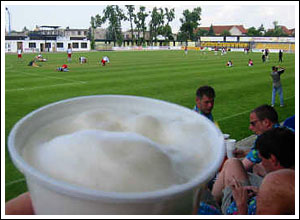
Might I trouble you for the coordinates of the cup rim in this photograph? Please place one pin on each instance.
(91, 194)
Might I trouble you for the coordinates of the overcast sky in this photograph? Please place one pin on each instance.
(78, 14)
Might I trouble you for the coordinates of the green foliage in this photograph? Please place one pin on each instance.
(202, 32)
(226, 33)
(211, 31)
(131, 18)
(114, 14)
(140, 22)
(190, 22)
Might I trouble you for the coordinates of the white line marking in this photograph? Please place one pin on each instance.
(52, 77)
(241, 113)
(42, 87)
(14, 182)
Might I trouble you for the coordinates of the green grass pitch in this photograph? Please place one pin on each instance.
(167, 75)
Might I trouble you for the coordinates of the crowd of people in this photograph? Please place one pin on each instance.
(260, 181)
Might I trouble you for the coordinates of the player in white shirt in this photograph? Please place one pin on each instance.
(69, 51)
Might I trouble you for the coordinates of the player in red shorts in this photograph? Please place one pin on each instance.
(69, 51)
(19, 53)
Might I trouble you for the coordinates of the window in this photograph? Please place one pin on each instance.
(60, 45)
(79, 32)
(75, 45)
(47, 45)
(83, 45)
(32, 45)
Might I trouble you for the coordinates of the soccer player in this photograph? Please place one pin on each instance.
(280, 56)
(69, 51)
(40, 58)
(63, 68)
(19, 53)
(104, 60)
(82, 60)
(229, 63)
(250, 63)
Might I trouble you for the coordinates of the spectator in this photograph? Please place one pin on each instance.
(205, 98)
(277, 88)
(290, 122)
(20, 205)
(243, 193)
(262, 119)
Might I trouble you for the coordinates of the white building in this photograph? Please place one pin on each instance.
(46, 40)
(60, 44)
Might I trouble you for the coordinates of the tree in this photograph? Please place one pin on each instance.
(140, 22)
(156, 23)
(132, 17)
(211, 31)
(276, 32)
(190, 23)
(92, 32)
(114, 14)
(261, 30)
(170, 15)
(25, 29)
(226, 33)
(252, 31)
(202, 32)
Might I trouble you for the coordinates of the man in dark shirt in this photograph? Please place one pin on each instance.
(280, 56)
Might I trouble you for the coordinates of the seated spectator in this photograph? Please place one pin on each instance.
(63, 68)
(205, 99)
(82, 60)
(239, 192)
(250, 63)
(290, 122)
(229, 63)
(262, 119)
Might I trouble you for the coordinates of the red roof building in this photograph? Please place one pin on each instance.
(235, 30)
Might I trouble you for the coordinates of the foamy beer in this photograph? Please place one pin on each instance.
(115, 154)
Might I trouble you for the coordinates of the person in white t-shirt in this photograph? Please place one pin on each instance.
(69, 51)
(82, 60)
(19, 53)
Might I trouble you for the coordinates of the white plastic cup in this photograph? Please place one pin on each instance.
(52, 196)
(230, 147)
(226, 136)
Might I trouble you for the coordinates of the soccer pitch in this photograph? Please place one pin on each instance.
(166, 75)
